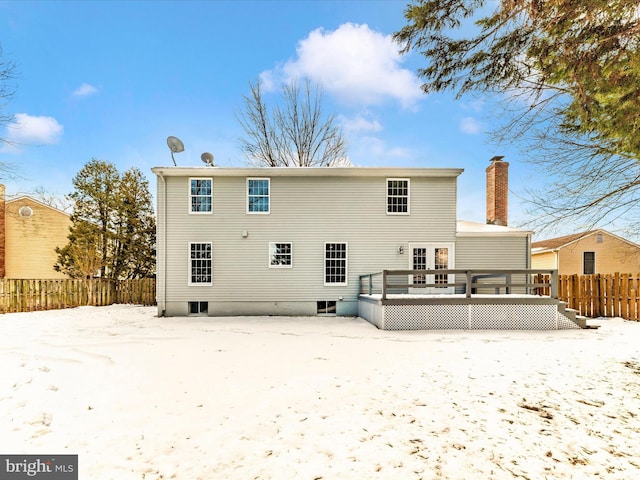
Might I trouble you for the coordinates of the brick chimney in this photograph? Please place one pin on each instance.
(498, 192)
(2, 231)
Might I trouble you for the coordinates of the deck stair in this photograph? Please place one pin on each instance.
(573, 315)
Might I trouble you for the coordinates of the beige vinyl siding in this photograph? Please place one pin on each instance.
(612, 255)
(544, 260)
(31, 241)
(306, 211)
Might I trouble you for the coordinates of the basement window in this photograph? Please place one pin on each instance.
(198, 308)
(326, 307)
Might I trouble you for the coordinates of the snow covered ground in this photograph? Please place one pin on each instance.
(137, 396)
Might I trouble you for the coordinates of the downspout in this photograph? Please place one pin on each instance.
(164, 244)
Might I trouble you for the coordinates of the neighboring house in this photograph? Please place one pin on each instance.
(586, 253)
(29, 233)
(294, 241)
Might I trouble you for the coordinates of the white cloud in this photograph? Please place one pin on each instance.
(471, 126)
(33, 130)
(474, 105)
(376, 151)
(356, 64)
(359, 124)
(85, 90)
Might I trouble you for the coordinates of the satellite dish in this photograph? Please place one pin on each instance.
(175, 145)
(207, 158)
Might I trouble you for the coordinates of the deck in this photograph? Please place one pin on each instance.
(394, 300)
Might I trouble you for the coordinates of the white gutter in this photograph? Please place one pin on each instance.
(307, 171)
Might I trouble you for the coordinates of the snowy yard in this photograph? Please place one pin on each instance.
(137, 396)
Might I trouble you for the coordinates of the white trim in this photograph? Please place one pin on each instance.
(280, 266)
(586, 235)
(308, 172)
(430, 247)
(346, 265)
(268, 195)
(191, 212)
(38, 202)
(189, 259)
(386, 206)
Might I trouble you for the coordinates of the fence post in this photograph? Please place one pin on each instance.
(624, 296)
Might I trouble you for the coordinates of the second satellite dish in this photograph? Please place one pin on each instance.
(175, 145)
(207, 158)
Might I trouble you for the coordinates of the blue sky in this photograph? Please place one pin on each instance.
(111, 80)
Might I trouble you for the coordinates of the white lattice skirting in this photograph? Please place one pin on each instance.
(465, 317)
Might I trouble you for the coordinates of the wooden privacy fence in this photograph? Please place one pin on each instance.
(615, 295)
(32, 295)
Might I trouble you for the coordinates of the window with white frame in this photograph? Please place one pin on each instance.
(201, 195)
(200, 264)
(335, 264)
(398, 196)
(258, 195)
(589, 263)
(280, 255)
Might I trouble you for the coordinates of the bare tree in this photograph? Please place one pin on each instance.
(295, 134)
(7, 90)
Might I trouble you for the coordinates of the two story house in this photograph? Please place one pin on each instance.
(294, 241)
(30, 231)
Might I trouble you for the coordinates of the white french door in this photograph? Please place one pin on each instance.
(431, 256)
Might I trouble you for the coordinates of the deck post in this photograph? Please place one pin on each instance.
(370, 284)
(554, 284)
(384, 285)
(467, 288)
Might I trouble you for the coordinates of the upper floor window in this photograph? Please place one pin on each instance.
(258, 195)
(201, 195)
(398, 196)
(200, 264)
(335, 264)
(280, 255)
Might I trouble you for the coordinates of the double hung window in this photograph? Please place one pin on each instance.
(258, 195)
(280, 255)
(201, 195)
(335, 264)
(398, 196)
(200, 264)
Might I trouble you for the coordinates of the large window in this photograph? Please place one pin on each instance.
(200, 193)
(335, 264)
(398, 196)
(258, 195)
(589, 263)
(280, 255)
(200, 264)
